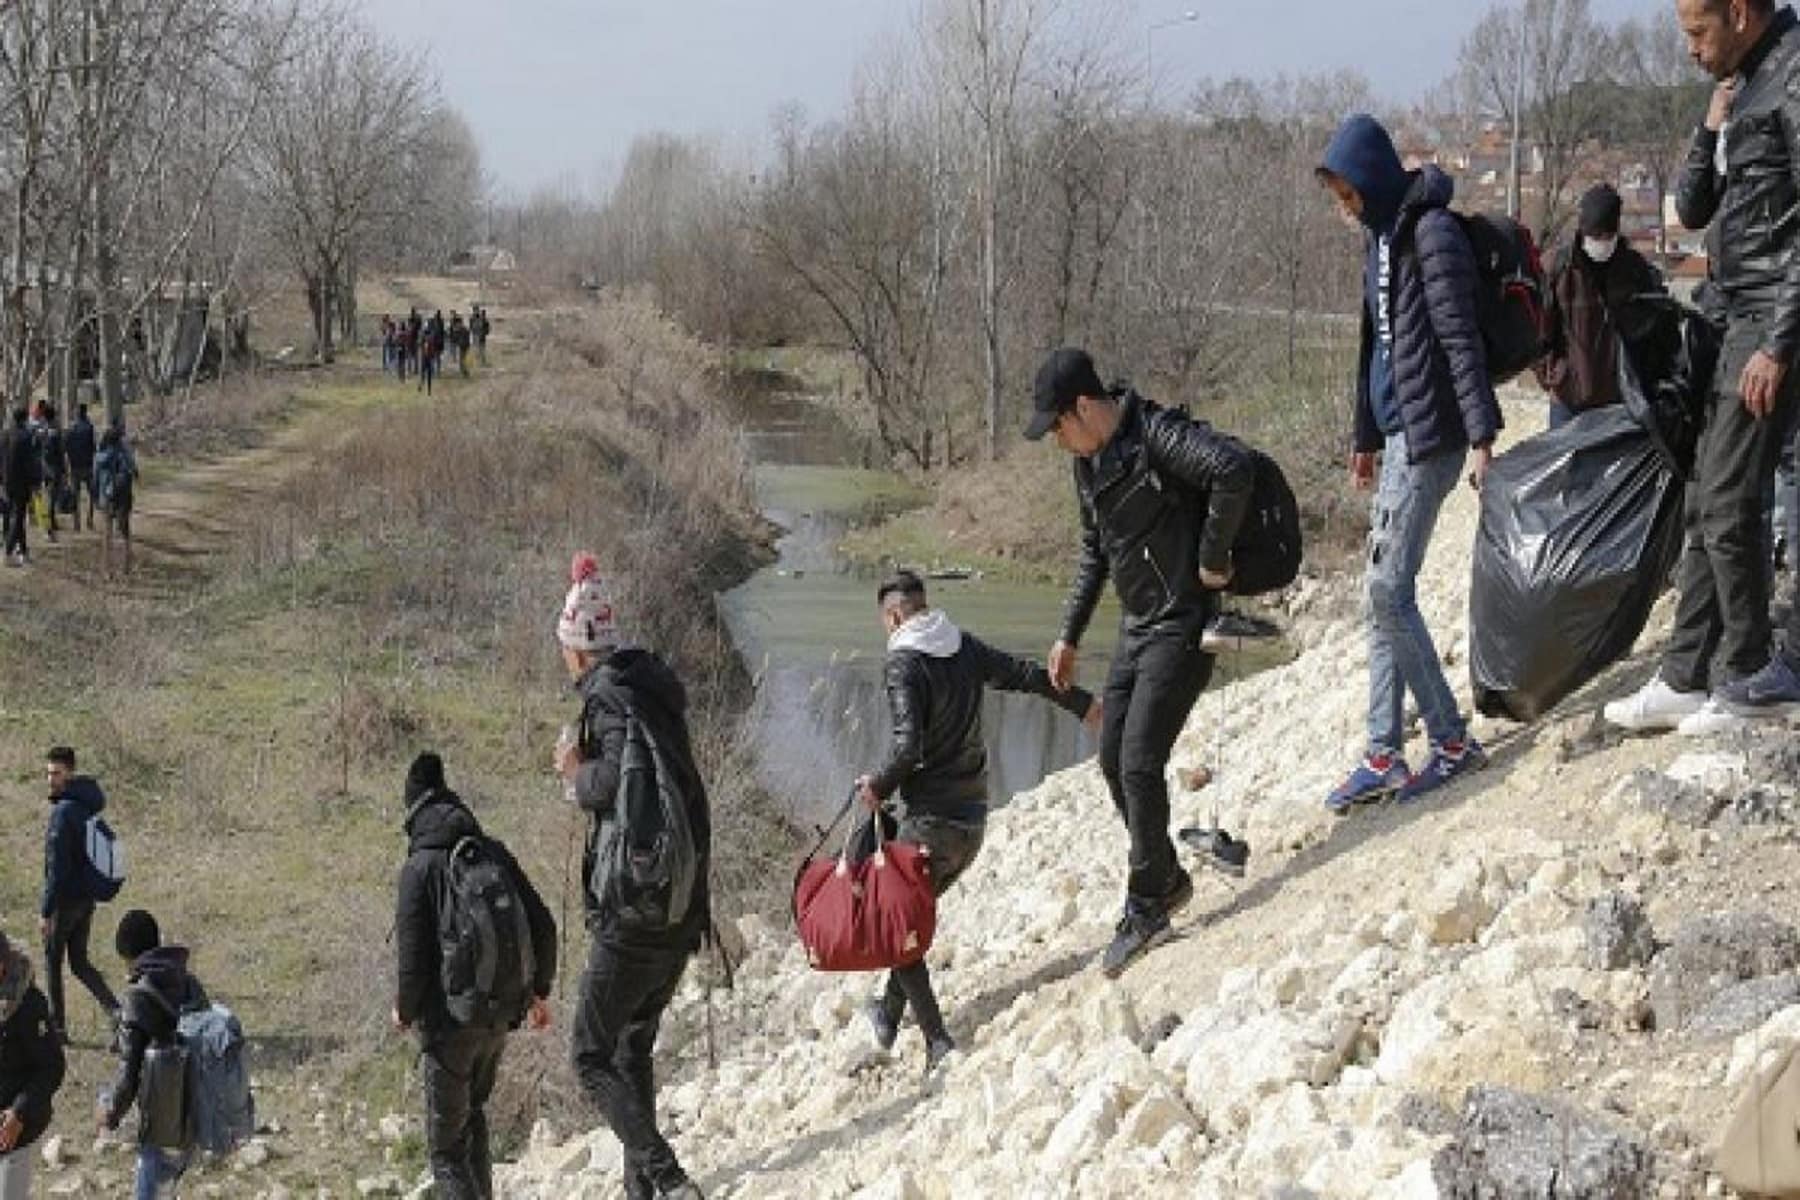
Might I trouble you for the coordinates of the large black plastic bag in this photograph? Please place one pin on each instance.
(1668, 355)
(1580, 527)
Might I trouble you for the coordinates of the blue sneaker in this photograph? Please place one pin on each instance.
(1376, 778)
(1448, 761)
(1773, 691)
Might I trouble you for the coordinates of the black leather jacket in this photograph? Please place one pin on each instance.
(1756, 203)
(1159, 501)
(939, 760)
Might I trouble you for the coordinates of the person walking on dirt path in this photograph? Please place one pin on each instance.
(459, 341)
(479, 326)
(1161, 498)
(161, 988)
(1595, 277)
(457, 877)
(67, 903)
(388, 343)
(18, 480)
(1423, 401)
(115, 479)
(53, 464)
(404, 341)
(429, 350)
(633, 709)
(415, 326)
(936, 678)
(31, 1070)
(1739, 177)
(81, 446)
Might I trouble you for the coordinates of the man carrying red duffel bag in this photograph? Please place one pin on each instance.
(936, 676)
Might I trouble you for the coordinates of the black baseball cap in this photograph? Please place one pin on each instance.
(1599, 211)
(1066, 375)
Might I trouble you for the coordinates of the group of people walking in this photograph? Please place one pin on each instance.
(47, 471)
(415, 345)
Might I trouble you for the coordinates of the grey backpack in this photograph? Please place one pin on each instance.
(221, 1110)
(647, 860)
(485, 955)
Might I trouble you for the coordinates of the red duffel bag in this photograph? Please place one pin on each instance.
(865, 915)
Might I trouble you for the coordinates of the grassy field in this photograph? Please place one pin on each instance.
(369, 575)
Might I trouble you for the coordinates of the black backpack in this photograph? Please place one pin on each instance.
(648, 864)
(1511, 297)
(486, 963)
(1266, 554)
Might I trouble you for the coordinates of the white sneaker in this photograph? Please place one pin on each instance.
(1655, 707)
(1712, 718)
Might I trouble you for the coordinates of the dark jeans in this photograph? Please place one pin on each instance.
(84, 487)
(953, 846)
(69, 930)
(1154, 681)
(459, 1070)
(623, 993)
(1724, 574)
(427, 372)
(18, 514)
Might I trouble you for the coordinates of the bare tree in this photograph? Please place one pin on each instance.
(1661, 96)
(348, 110)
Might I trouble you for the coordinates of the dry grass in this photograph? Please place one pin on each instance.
(393, 588)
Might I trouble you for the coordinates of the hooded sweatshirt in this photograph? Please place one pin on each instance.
(65, 848)
(434, 825)
(1363, 155)
(160, 990)
(637, 683)
(937, 677)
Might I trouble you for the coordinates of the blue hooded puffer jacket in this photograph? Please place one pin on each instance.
(65, 844)
(1441, 387)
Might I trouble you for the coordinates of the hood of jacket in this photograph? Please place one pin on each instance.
(164, 971)
(643, 673)
(438, 821)
(1362, 154)
(931, 633)
(84, 794)
(1429, 187)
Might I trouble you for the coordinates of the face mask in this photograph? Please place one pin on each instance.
(1599, 249)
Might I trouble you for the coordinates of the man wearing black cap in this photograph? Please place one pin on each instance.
(462, 1019)
(1161, 500)
(1591, 282)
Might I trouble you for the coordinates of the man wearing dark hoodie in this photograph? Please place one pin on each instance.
(67, 905)
(632, 972)
(160, 991)
(81, 443)
(937, 676)
(1423, 402)
(459, 1060)
(31, 1070)
(18, 479)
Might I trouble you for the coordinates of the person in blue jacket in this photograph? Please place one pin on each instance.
(1424, 402)
(67, 903)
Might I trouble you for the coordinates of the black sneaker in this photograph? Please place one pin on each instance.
(882, 1024)
(1234, 631)
(1138, 934)
(1217, 849)
(936, 1051)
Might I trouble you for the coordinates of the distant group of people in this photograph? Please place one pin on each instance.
(415, 345)
(47, 471)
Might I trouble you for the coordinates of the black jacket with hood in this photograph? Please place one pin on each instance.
(31, 1055)
(160, 990)
(1162, 499)
(434, 825)
(634, 682)
(937, 676)
(18, 462)
(65, 851)
(80, 443)
(1445, 400)
(1755, 203)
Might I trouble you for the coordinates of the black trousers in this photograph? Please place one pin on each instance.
(459, 1069)
(69, 930)
(624, 991)
(1154, 682)
(953, 846)
(18, 514)
(1724, 575)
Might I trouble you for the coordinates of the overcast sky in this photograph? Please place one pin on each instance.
(556, 89)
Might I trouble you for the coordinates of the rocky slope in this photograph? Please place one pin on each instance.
(1558, 969)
